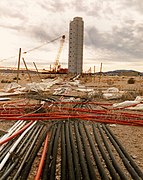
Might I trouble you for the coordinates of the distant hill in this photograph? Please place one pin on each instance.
(108, 73)
(123, 73)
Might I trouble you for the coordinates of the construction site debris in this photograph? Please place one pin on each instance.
(12, 87)
(71, 99)
(4, 99)
(5, 94)
(84, 89)
(74, 83)
(42, 86)
(61, 90)
(135, 104)
(112, 93)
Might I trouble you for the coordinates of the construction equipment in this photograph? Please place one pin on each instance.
(57, 66)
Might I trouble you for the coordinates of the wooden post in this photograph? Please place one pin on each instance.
(18, 65)
(50, 70)
(27, 69)
(37, 71)
(94, 74)
(100, 75)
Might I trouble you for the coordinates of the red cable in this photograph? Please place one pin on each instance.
(41, 164)
(16, 133)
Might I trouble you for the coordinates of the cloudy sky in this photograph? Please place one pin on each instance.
(113, 32)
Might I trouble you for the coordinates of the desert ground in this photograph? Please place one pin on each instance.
(131, 137)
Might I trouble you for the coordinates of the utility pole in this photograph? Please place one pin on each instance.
(18, 64)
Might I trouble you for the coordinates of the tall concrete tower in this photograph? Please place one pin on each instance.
(75, 61)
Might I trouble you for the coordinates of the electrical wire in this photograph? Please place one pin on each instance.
(37, 47)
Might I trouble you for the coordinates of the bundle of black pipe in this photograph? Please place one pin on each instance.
(76, 150)
(82, 154)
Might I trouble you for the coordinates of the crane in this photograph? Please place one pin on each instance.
(56, 65)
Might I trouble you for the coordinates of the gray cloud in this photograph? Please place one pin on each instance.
(126, 39)
(7, 13)
(41, 33)
(12, 10)
(48, 26)
(93, 8)
(54, 6)
(11, 27)
(79, 6)
(134, 4)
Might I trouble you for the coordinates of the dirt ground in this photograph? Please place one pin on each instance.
(131, 137)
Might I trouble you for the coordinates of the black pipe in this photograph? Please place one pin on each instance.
(104, 154)
(63, 153)
(75, 154)
(54, 154)
(48, 159)
(124, 159)
(71, 174)
(33, 154)
(95, 154)
(91, 169)
(132, 162)
(33, 130)
(118, 169)
(34, 133)
(84, 169)
(6, 148)
(7, 173)
(26, 158)
(18, 156)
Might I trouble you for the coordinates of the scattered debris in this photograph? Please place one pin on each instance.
(129, 104)
(5, 94)
(84, 89)
(42, 86)
(5, 99)
(5, 81)
(71, 99)
(12, 87)
(74, 83)
(112, 93)
(112, 125)
(61, 90)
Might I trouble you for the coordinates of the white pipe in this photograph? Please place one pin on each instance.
(15, 124)
(21, 124)
(15, 145)
(11, 130)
